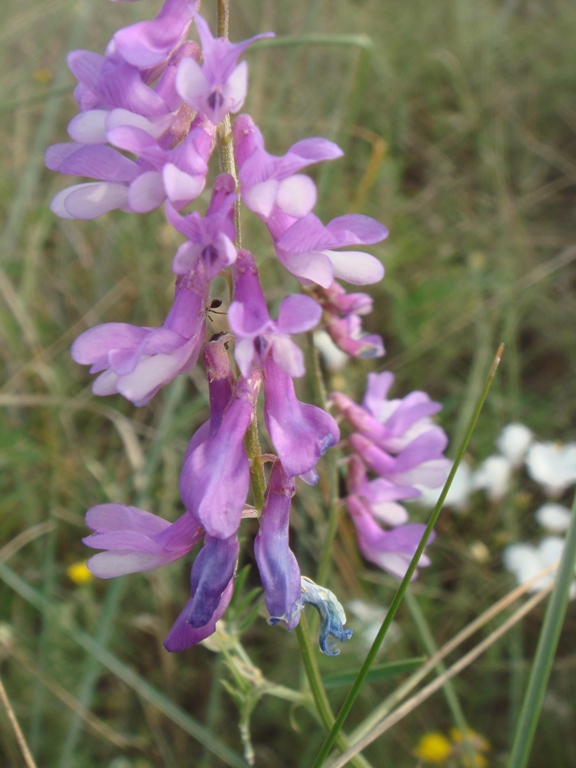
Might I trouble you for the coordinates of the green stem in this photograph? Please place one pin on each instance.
(545, 651)
(321, 702)
(355, 690)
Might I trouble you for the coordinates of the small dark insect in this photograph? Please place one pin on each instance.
(215, 303)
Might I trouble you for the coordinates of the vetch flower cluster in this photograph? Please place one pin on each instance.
(397, 444)
(149, 115)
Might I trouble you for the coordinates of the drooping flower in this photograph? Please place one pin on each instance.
(259, 337)
(278, 567)
(332, 616)
(218, 86)
(136, 540)
(136, 362)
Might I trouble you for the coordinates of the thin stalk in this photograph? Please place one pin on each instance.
(449, 692)
(545, 651)
(355, 690)
(323, 707)
(26, 754)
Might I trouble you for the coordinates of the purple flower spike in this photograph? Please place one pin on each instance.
(379, 496)
(215, 473)
(211, 573)
(219, 85)
(277, 564)
(268, 181)
(136, 540)
(390, 550)
(300, 433)
(210, 239)
(136, 362)
(346, 333)
(307, 250)
(259, 337)
(183, 635)
(149, 43)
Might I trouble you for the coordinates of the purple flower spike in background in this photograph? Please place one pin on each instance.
(137, 362)
(278, 567)
(219, 85)
(390, 550)
(257, 335)
(136, 540)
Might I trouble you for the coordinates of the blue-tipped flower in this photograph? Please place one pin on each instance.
(332, 614)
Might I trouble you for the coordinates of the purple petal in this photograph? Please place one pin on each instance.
(356, 267)
(100, 340)
(277, 564)
(183, 636)
(300, 433)
(296, 196)
(119, 517)
(213, 569)
(88, 201)
(89, 127)
(147, 192)
(355, 229)
(298, 314)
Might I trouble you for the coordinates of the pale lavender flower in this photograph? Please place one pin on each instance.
(136, 362)
(390, 550)
(136, 540)
(218, 86)
(259, 337)
(210, 238)
(306, 249)
(300, 433)
(149, 43)
(276, 562)
(347, 334)
(178, 174)
(269, 182)
(379, 497)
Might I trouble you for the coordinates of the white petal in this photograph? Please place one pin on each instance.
(356, 267)
(261, 197)
(146, 192)
(297, 195)
(88, 201)
(181, 188)
(89, 127)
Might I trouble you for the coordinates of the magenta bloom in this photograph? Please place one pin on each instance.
(307, 250)
(390, 550)
(378, 497)
(300, 433)
(347, 334)
(219, 85)
(136, 362)
(259, 337)
(277, 564)
(136, 540)
(269, 182)
(210, 239)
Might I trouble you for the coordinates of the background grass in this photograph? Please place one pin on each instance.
(460, 130)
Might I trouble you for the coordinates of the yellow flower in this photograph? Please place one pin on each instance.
(434, 748)
(43, 75)
(79, 573)
(478, 744)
